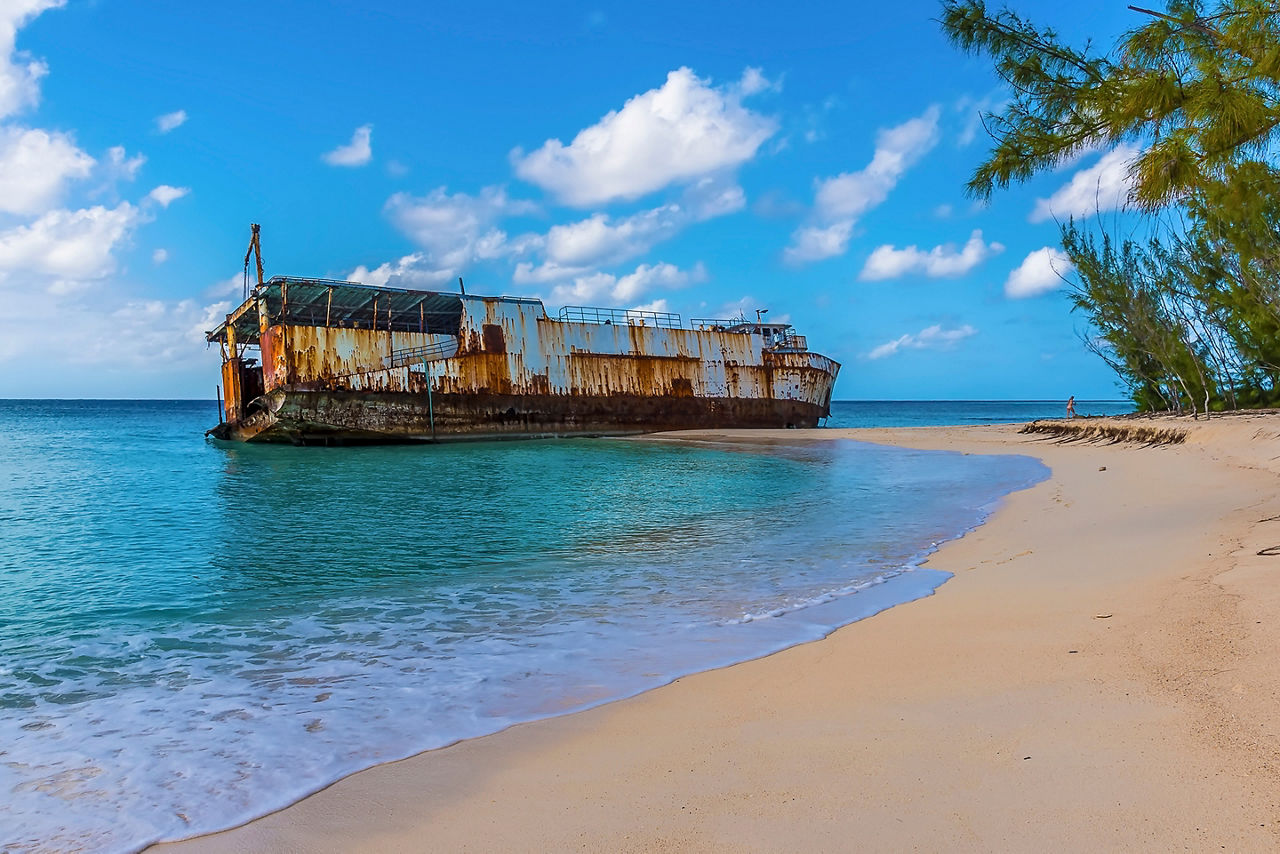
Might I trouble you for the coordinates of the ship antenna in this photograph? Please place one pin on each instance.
(462, 287)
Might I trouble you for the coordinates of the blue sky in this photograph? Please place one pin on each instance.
(702, 158)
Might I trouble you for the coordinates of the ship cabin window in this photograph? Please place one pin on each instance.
(771, 333)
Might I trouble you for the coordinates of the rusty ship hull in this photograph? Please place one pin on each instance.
(340, 363)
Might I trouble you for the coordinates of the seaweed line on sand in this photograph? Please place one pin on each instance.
(1087, 430)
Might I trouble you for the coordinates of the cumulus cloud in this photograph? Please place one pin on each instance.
(754, 82)
(232, 286)
(19, 74)
(1104, 186)
(814, 242)
(889, 262)
(1040, 272)
(658, 305)
(527, 273)
(119, 166)
(840, 201)
(157, 336)
(602, 239)
(411, 271)
(68, 245)
(456, 229)
(35, 167)
(614, 290)
(357, 152)
(164, 195)
(713, 196)
(930, 338)
(646, 277)
(851, 194)
(49, 261)
(576, 248)
(677, 133)
(170, 121)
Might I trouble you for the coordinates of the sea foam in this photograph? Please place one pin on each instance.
(197, 635)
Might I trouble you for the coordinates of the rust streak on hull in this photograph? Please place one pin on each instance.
(341, 417)
(451, 366)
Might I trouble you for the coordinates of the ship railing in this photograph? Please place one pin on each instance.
(715, 324)
(619, 316)
(789, 341)
(433, 352)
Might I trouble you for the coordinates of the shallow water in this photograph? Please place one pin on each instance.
(193, 633)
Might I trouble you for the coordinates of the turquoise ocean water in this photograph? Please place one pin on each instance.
(194, 633)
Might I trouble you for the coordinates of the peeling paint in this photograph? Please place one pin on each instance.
(507, 369)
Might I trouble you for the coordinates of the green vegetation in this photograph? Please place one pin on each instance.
(1188, 313)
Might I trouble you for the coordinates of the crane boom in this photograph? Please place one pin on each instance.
(255, 251)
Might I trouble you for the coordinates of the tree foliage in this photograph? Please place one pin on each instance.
(1190, 316)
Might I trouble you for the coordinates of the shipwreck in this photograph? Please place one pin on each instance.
(320, 361)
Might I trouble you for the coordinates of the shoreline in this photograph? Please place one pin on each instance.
(976, 671)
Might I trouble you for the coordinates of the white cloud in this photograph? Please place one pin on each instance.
(1104, 186)
(608, 288)
(841, 200)
(658, 305)
(232, 286)
(68, 245)
(930, 338)
(35, 167)
(19, 75)
(457, 229)
(852, 194)
(646, 277)
(1040, 272)
(411, 271)
(754, 82)
(574, 248)
(674, 134)
(713, 196)
(602, 239)
(815, 242)
(170, 121)
(528, 274)
(588, 289)
(119, 166)
(887, 262)
(357, 152)
(154, 336)
(164, 195)
(53, 318)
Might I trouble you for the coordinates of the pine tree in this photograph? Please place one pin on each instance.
(1192, 319)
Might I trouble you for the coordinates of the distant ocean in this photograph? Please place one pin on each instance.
(193, 633)
(926, 413)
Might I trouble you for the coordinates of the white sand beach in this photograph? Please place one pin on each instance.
(1100, 674)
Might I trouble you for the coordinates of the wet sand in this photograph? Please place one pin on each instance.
(1101, 674)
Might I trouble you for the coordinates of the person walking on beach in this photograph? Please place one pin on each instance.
(1071, 406)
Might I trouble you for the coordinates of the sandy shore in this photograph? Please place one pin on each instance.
(1103, 673)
